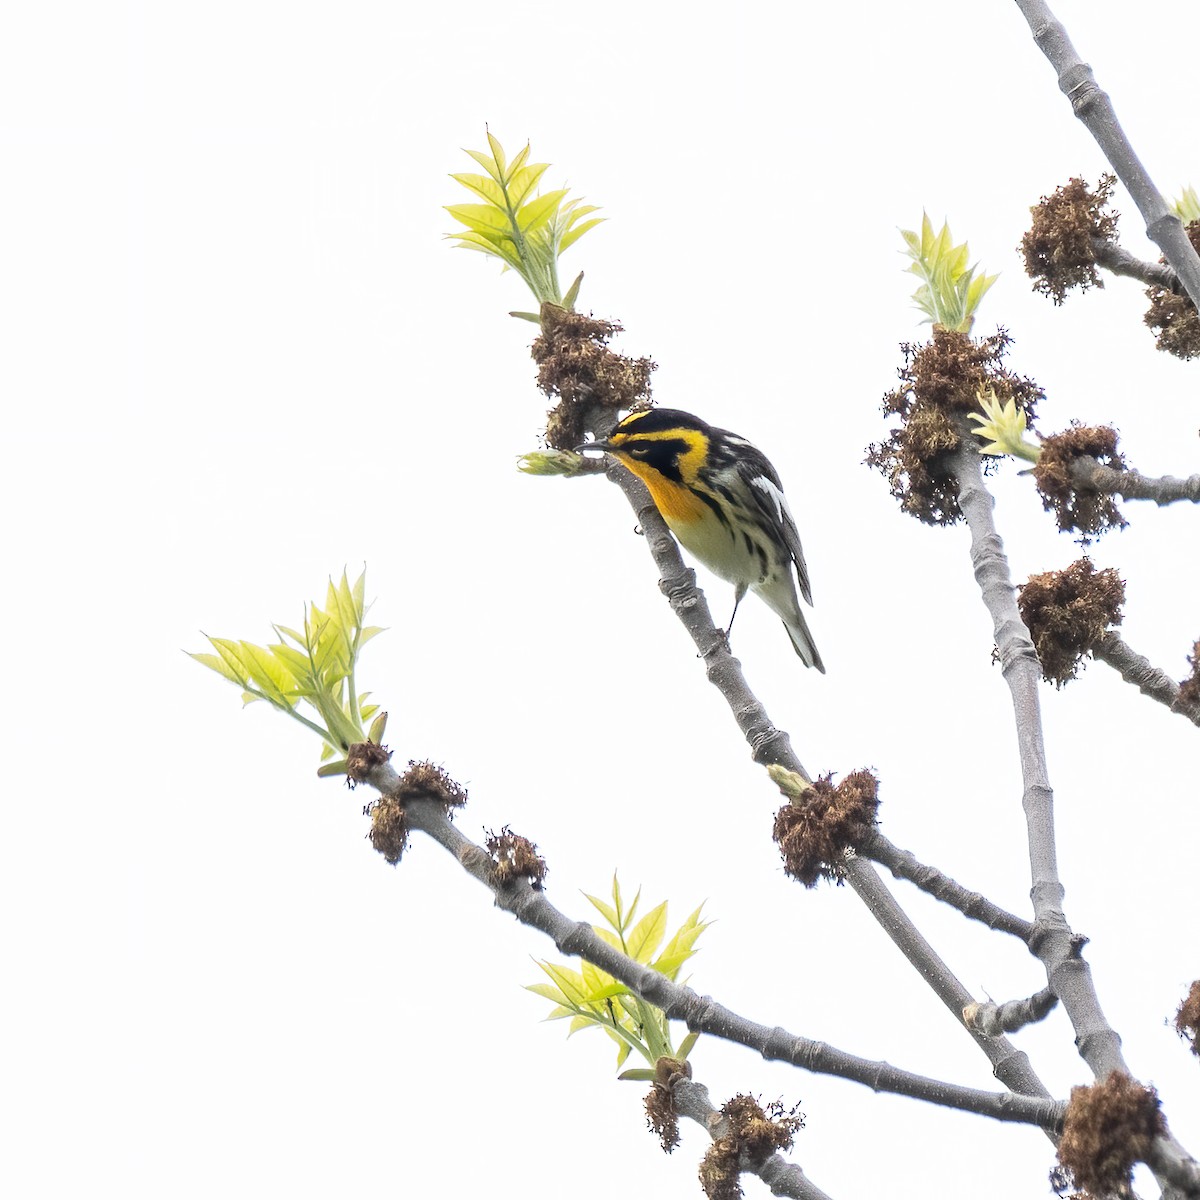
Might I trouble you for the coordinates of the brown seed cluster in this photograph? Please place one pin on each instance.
(576, 365)
(1081, 509)
(1187, 1019)
(1108, 1127)
(422, 781)
(1060, 247)
(1189, 688)
(814, 833)
(940, 384)
(755, 1135)
(515, 857)
(1067, 613)
(1174, 316)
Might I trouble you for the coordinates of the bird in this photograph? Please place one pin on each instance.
(723, 501)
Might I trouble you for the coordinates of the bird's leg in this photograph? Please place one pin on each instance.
(737, 599)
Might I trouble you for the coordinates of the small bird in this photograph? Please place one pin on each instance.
(723, 500)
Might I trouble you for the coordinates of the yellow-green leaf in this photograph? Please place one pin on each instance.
(216, 663)
(547, 991)
(480, 217)
(571, 982)
(606, 910)
(539, 211)
(488, 190)
(643, 941)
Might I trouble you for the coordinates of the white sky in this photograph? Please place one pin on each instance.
(238, 355)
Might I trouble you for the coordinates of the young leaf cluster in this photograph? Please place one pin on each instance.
(1187, 207)
(950, 290)
(1002, 426)
(592, 998)
(314, 667)
(526, 231)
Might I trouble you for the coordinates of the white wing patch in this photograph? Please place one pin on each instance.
(776, 494)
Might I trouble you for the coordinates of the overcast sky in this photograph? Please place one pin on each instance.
(239, 356)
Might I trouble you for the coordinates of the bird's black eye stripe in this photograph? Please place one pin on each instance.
(660, 453)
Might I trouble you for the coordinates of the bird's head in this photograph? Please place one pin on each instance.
(664, 440)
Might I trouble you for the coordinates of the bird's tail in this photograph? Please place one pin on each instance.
(802, 640)
(780, 596)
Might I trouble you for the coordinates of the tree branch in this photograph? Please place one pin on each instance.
(772, 745)
(1010, 1065)
(904, 865)
(1054, 942)
(701, 1013)
(782, 1177)
(992, 1019)
(1086, 472)
(1119, 261)
(1093, 107)
(678, 583)
(1068, 975)
(1149, 680)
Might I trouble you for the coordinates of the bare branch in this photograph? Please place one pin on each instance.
(1054, 942)
(1086, 472)
(1010, 1065)
(1149, 680)
(782, 1177)
(1068, 975)
(1093, 107)
(701, 1013)
(992, 1019)
(1169, 1161)
(904, 865)
(1119, 261)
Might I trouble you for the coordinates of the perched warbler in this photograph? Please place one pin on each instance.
(723, 500)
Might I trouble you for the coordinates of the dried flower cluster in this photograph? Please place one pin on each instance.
(576, 365)
(755, 1135)
(940, 385)
(1187, 1019)
(1189, 688)
(1108, 1127)
(814, 833)
(422, 781)
(662, 1117)
(1174, 316)
(1067, 613)
(515, 857)
(1060, 247)
(1085, 510)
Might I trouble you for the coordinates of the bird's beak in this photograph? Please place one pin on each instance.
(593, 446)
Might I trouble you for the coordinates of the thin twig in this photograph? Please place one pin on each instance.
(1093, 107)
(990, 1018)
(1068, 975)
(904, 865)
(1009, 1064)
(1086, 472)
(702, 1014)
(784, 1178)
(1119, 261)
(1149, 680)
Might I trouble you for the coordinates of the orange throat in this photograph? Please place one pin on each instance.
(679, 505)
